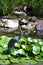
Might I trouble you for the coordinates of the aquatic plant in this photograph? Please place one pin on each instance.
(28, 50)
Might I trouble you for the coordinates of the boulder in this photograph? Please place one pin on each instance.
(9, 25)
(39, 27)
(33, 19)
(19, 13)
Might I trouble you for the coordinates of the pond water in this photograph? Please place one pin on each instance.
(39, 63)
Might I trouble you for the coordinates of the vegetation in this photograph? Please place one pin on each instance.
(26, 50)
(7, 6)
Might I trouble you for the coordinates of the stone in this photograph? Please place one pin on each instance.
(33, 19)
(24, 27)
(39, 27)
(9, 25)
(18, 13)
(31, 26)
(24, 21)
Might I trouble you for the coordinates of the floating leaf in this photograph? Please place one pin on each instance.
(24, 40)
(14, 60)
(23, 60)
(36, 50)
(42, 48)
(3, 56)
(32, 61)
(26, 47)
(14, 51)
(30, 39)
(4, 62)
(41, 43)
(1, 49)
(21, 51)
(16, 45)
(35, 40)
(38, 58)
(5, 39)
(41, 54)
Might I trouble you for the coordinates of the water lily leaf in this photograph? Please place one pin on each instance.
(32, 62)
(30, 39)
(23, 60)
(36, 50)
(3, 56)
(35, 40)
(26, 47)
(41, 43)
(24, 40)
(14, 51)
(1, 49)
(21, 51)
(17, 45)
(14, 60)
(38, 58)
(4, 62)
(41, 54)
(42, 48)
(5, 39)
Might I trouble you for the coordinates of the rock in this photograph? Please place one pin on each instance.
(39, 27)
(24, 27)
(12, 23)
(31, 26)
(27, 9)
(36, 26)
(1, 23)
(18, 13)
(24, 21)
(33, 19)
(9, 25)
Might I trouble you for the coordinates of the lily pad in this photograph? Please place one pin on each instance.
(32, 62)
(21, 51)
(38, 58)
(1, 49)
(36, 50)
(14, 60)
(5, 39)
(17, 45)
(24, 40)
(25, 47)
(23, 60)
(30, 39)
(4, 62)
(14, 51)
(42, 48)
(3, 56)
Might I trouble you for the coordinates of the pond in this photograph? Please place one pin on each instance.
(39, 63)
(15, 33)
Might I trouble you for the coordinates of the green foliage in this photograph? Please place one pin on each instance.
(7, 6)
(4, 6)
(4, 62)
(26, 50)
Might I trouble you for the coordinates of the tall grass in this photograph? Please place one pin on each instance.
(7, 6)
